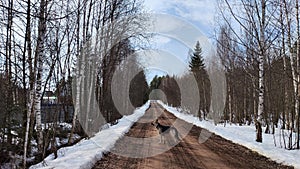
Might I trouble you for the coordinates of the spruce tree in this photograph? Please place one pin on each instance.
(197, 67)
(197, 63)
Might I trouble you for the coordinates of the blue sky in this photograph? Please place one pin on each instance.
(171, 56)
(201, 13)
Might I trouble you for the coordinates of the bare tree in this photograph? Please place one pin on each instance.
(254, 18)
(294, 60)
(40, 55)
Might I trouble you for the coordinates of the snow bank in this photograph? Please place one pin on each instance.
(87, 152)
(245, 135)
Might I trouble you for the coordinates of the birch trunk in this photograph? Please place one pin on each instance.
(40, 56)
(294, 67)
(29, 101)
(297, 74)
(245, 114)
(79, 86)
(285, 107)
(230, 100)
(78, 78)
(261, 60)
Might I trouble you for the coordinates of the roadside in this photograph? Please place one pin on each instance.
(215, 152)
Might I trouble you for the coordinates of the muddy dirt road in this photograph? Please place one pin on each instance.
(141, 148)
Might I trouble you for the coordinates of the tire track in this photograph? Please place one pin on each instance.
(216, 152)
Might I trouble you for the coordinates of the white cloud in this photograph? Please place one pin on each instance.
(163, 61)
(200, 12)
(179, 30)
(159, 41)
(162, 39)
(177, 34)
(157, 5)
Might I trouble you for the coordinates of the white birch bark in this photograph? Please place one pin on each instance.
(76, 85)
(294, 67)
(296, 87)
(79, 81)
(31, 93)
(261, 61)
(29, 112)
(40, 56)
(285, 114)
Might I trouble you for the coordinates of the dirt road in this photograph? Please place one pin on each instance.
(141, 148)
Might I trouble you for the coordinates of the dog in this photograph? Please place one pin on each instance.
(164, 130)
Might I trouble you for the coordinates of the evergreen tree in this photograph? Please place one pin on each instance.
(197, 63)
(138, 91)
(171, 89)
(197, 67)
(155, 82)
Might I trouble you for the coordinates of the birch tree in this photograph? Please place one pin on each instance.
(112, 23)
(227, 57)
(261, 61)
(294, 61)
(27, 45)
(40, 55)
(298, 77)
(254, 13)
(41, 41)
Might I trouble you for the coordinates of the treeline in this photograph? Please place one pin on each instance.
(191, 91)
(165, 88)
(52, 46)
(258, 44)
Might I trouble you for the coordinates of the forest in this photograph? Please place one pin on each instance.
(63, 62)
(47, 53)
(257, 44)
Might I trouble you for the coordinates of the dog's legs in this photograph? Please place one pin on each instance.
(176, 134)
(160, 140)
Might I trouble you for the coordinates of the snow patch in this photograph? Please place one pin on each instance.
(87, 152)
(244, 135)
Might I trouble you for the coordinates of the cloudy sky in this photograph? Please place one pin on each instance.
(180, 24)
(199, 12)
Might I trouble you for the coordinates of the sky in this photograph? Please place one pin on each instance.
(186, 21)
(198, 12)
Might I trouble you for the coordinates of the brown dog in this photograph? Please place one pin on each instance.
(164, 130)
